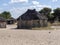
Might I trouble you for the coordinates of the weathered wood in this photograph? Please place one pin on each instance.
(31, 19)
(31, 23)
(2, 24)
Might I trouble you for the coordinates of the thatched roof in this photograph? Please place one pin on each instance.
(31, 15)
(2, 19)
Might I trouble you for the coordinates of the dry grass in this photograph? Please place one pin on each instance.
(44, 28)
(56, 24)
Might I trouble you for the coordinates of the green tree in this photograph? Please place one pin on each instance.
(57, 13)
(51, 18)
(6, 15)
(46, 11)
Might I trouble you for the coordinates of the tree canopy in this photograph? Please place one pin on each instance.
(5, 15)
(46, 11)
(51, 16)
(57, 12)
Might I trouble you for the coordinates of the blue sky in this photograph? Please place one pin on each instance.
(18, 7)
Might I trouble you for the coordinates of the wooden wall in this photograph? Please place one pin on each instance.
(2, 24)
(31, 23)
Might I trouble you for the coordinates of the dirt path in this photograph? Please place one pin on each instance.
(11, 36)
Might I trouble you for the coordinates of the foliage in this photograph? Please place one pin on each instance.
(55, 16)
(5, 15)
(46, 11)
(57, 13)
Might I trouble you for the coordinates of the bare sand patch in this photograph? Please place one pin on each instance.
(10, 36)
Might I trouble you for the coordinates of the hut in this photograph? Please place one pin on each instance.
(30, 19)
(2, 22)
(11, 21)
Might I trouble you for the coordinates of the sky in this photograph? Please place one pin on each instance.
(18, 7)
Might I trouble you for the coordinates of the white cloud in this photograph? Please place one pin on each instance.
(16, 12)
(16, 1)
(38, 6)
(35, 2)
(5, 4)
(42, 6)
(54, 0)
(1, 10)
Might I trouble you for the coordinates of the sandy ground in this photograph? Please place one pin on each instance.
(12, 36)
